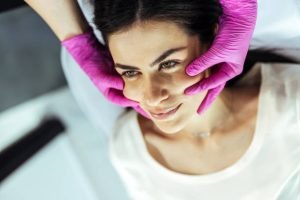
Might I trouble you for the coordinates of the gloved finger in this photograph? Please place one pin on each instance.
(210, 98)
(218, 77)
(117, 97)
(103, 79)
(111, 81)
(203, 62)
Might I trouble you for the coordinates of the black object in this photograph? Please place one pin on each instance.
(11, 4)
(19, 152)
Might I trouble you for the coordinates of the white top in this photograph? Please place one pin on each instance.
(270, 168)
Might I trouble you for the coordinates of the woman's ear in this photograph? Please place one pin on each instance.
(207, 72)
(216, 29)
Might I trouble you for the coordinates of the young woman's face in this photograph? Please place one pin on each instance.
(158, 85)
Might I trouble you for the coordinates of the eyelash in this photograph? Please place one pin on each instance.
(125, 74)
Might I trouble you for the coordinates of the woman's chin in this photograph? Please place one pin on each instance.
(168, 128)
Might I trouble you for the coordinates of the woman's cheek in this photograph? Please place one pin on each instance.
(131, 91)
(185, 81)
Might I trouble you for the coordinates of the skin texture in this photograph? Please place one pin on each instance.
(233, 112)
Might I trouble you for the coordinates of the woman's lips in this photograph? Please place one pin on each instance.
(165, 115)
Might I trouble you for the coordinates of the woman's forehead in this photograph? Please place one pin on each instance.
(148, 40)
(148, 35)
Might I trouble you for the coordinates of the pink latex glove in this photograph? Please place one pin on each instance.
(228, 50)
(96, 61)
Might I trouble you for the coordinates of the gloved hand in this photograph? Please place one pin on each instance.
(96, 61)
(228, 50)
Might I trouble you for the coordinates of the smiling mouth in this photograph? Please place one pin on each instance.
(166, 115)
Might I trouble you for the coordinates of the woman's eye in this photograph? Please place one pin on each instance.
(165, 65)
(129, 74)
(168, 64)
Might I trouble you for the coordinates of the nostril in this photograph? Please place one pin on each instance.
(154, 93)
(154, 100)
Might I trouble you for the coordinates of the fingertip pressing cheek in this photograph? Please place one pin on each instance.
(127, 93)
(131, 93)
(195, 80)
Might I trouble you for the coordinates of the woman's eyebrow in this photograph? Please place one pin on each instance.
(162, 57)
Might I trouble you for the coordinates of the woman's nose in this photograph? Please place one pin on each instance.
(154, 94)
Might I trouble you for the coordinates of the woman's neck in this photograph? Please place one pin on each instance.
(215, 119)
(218, 115)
